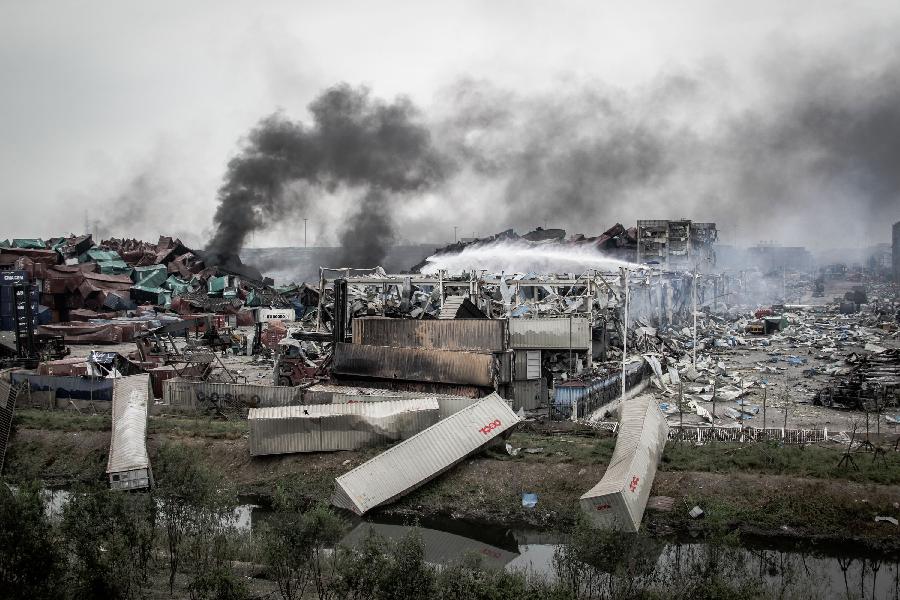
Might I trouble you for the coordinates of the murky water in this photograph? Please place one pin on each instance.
(827, 572)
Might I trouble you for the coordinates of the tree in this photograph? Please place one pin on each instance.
(109, 536)
(296, 542)
(31, 565)
(196, 505)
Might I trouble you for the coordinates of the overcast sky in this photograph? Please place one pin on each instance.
(107, 100)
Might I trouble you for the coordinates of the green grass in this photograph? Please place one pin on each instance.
(810, 461)
(200, 427)
(583, 450)
(58, 420)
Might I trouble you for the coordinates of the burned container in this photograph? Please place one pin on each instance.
(414, 364)
(480, 335)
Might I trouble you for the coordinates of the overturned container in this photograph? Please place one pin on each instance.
(618, 501)
(331, 427)
(423, 457)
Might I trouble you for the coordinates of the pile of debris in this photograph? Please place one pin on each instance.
(88, 287)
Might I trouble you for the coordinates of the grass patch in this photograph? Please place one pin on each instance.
(769, 458)
(200, 427)
(575, 449)
(58, 420)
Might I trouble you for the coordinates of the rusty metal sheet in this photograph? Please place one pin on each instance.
(414, 364)
(485, 335)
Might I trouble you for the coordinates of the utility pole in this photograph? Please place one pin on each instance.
(694, 306)
(304, 232)
(624, 331)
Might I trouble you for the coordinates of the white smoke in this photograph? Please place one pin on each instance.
(523, 257)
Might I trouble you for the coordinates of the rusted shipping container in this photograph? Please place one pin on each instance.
(483, 335)
(421, 387)
(414, 364)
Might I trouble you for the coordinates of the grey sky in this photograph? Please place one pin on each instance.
(99, 95)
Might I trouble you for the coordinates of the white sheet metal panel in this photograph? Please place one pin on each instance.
(527, 365)
(128, 446)
(264, 315)
(423, 457)
(619, 499)
(190, 395)
(484, 335)
(330, 427)
(549, 334)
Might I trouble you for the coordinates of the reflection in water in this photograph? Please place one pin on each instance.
(645, 563)
(440, 547)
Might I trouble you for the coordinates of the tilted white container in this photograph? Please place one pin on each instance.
(330, 427)
(618, 501)
(410, 464)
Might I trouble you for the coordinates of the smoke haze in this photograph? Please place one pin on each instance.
(354, 142)
(814, 149)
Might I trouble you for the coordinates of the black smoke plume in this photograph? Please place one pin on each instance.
(354, 142)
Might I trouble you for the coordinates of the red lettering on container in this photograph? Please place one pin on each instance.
(490, 427)
(602, 506)
(634, 483)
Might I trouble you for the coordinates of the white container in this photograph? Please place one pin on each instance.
(408, 465)
(618, 501)
(550, 334)
(330, 427)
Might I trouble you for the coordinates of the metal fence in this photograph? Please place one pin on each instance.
(747, 434)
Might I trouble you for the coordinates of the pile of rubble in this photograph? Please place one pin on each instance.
(84, 290)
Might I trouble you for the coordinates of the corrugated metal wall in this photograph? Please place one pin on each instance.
(329, 427)
(128, 446)
(484, 335)
(550, 334)
(409, 464)
(191, 395)
(619, 499)
(527, 394)
(586, 396)
(413, 364)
